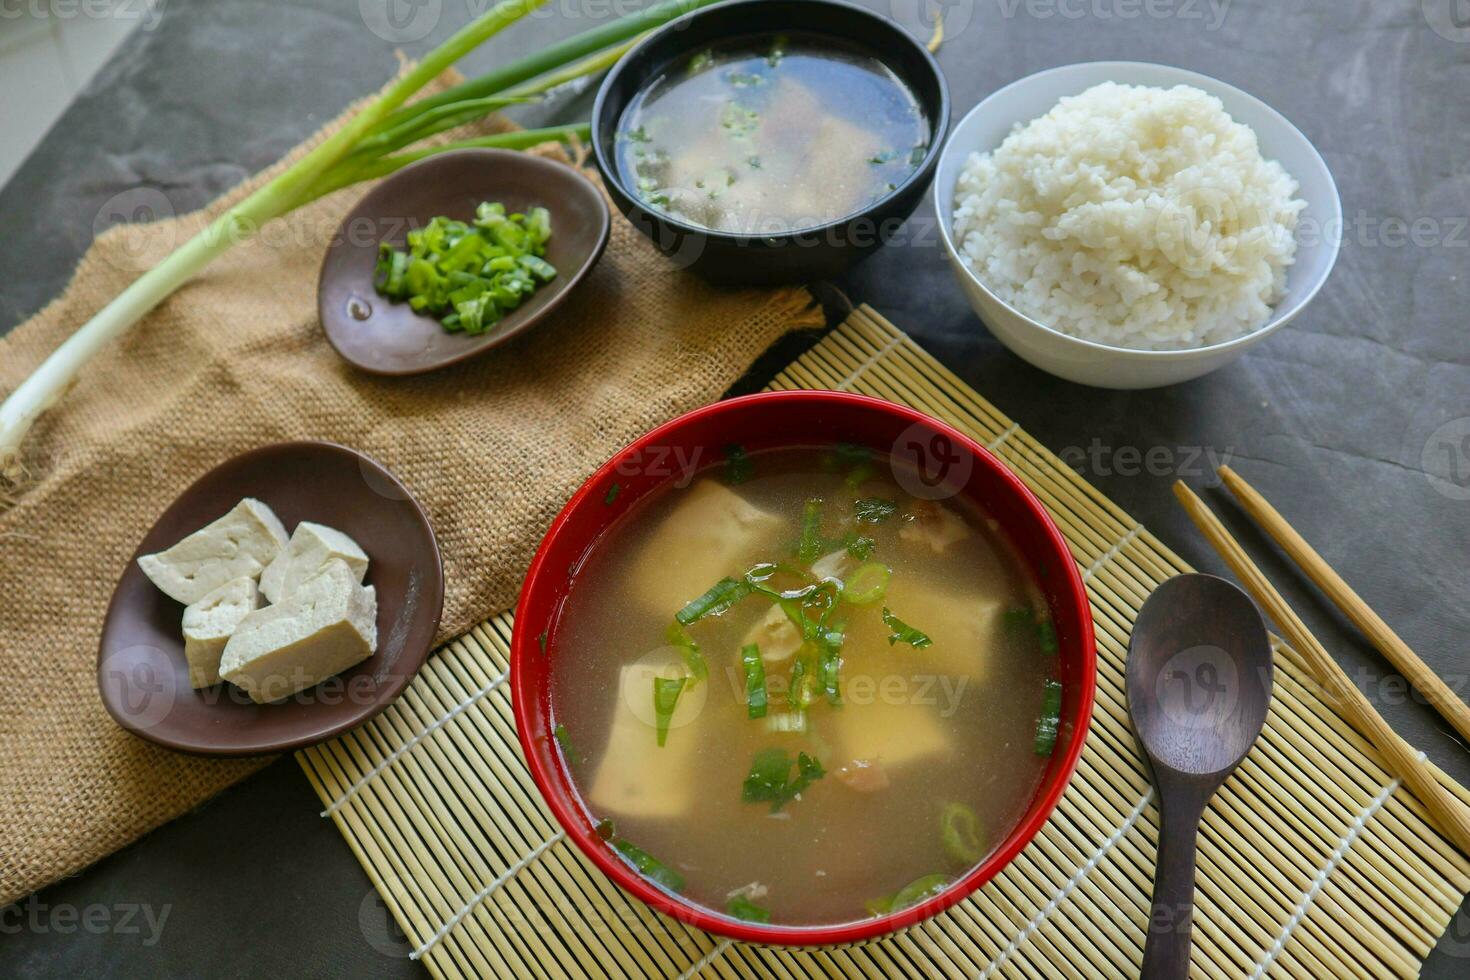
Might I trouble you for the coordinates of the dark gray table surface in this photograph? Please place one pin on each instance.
(1355, 420)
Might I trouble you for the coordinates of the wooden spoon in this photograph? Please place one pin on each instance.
(1199, 685)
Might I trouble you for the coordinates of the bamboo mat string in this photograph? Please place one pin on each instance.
(402, 749)
(999, 440)
(698, 965)
(485, 893)
(1112, 552)
(1057, 899)
(1349, 838)
(1312, 860)
(877, 356)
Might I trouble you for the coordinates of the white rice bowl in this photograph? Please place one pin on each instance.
(1133, 216)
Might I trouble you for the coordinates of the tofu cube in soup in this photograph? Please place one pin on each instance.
(966, 630)
(326, 626)
(241, 543)
(637, 777)
(710, 535)
(209, 623)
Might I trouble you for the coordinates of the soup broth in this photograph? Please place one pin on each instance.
(770, 135)
(885, 745)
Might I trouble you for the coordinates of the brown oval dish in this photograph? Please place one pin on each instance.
(141, 671)
(386, 337)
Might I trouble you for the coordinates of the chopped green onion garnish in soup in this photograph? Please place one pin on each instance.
(839, 708)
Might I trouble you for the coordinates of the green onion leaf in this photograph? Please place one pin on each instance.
(859, 547)
(778, 50)
(860, 474)
(1048, 723)
(755, 681)
(867, 584)
(678, 637)
(787, 722)
(829, 665)
(810, 548)
(801, 689)
(745, 910)
(904, 633)
(1027, 628)
(720, 597)
(649, 866)
(737, 464)
(959, 830)
(565, 741)
(875, 510)
(768, 782)
(911, 894)
(611, 495)
(666, 691)
(700, 62)
(1048, 636)
(767, 777)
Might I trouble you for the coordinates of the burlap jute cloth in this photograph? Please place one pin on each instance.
(237, 359)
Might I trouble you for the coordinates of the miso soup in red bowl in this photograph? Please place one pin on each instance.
(802, 667)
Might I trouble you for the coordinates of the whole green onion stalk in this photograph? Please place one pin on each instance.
(375, 142)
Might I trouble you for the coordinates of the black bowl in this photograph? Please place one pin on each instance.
(807, 254)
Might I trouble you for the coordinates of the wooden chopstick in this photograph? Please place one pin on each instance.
(1452, 818)
(1395, 650)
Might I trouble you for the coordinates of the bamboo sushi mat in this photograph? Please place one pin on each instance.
(1313, 860)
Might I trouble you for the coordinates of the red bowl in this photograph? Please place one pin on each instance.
(766, 421)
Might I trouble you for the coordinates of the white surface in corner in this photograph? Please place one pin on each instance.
(48, 53)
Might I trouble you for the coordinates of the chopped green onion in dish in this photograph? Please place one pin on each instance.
(745, 910)
(720, 597)
(959, 831)
(611, 495)
(904, 633)
(867, 584)
(679, 638)
(469, 274)
(1050, 719)
(909, 895)
(874, 510)
(649, 866)
(666, 691)
(859, 547)
(769, 780)
(755, 681)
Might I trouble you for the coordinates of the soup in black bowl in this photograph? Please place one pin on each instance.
(771, 134)
(765, 141)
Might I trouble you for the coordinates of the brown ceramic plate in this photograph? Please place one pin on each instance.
(141, 671)
(386, 337)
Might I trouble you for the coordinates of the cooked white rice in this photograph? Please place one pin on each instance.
(1133, 216)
